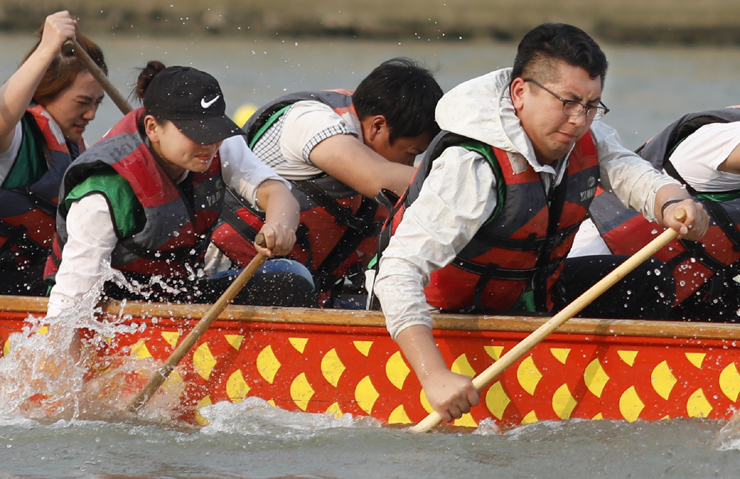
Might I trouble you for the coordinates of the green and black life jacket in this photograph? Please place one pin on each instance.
(163, 228)
(515, 258)
(29, 193)
(336, 221)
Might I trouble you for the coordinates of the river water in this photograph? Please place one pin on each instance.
(646, 89)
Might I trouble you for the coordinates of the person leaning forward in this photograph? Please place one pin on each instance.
(145, 199)
(702, 151)
(499, 195)
(338, 149)
(46, 106)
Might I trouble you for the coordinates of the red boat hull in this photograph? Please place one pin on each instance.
(345, 362)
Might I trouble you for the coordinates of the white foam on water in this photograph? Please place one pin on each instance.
(487, 427)
(257, 417)
(541, 428)
(17, 422)
(728, 438)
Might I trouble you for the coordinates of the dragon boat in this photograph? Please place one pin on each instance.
(344, 361)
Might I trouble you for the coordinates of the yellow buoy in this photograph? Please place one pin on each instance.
(243, 113)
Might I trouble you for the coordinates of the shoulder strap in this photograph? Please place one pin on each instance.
(16, 236)
(263, 127)
(487, 152)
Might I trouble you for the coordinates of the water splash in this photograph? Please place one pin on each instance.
(58, 368)
(487, 427)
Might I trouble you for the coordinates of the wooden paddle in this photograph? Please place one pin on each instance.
(564, 315)
(164, 371)
(100, 77)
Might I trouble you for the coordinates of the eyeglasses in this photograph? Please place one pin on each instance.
(573, 108)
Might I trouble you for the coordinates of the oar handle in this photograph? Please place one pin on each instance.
(537, 336)
(100, 77)
(184, 347)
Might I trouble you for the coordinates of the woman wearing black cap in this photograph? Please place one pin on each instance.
(147, 196)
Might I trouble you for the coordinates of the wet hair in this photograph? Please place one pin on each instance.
(545, 45)
(146, 75)
(405, 93)
(65, 67)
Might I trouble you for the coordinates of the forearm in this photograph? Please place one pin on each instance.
(16, 94)
(279, 204)
(347, 159)
(400, 290)
(450, 394)
(394, 177)
(418, 346)
(632, 179)
(282, 216)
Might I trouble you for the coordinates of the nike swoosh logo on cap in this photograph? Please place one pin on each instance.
(206, 104)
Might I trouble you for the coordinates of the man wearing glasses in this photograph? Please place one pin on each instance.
(490, 217)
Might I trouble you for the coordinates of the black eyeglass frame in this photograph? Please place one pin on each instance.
(600, 110)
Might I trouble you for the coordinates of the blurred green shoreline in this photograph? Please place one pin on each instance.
(684, 22)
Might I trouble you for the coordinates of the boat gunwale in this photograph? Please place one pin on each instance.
(360, 318)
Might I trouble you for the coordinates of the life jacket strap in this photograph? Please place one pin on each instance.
(16, 236)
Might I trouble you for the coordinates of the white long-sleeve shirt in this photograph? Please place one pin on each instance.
(459, 194)
(92, 236)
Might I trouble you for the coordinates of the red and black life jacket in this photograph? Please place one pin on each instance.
(716, 257)
(337, 223)
(522, 246)
(178, 221)
(28, 214)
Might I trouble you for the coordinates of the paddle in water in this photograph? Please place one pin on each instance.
(528, 343)
(187, 344)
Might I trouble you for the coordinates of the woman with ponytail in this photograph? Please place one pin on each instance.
(44, 109)
(147, 196)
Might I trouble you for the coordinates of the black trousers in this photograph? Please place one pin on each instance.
(646, 293)
(24, 281)
(717, 300)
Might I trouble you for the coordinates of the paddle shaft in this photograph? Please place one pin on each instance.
(187, 344)
(564, 315)
(100, 77)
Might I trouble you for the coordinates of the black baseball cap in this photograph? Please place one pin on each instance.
(193, 101)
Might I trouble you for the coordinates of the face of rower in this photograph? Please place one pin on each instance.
(75, 107)
(552, 132)
(177, 152)
(403, 150)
